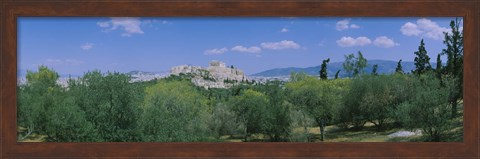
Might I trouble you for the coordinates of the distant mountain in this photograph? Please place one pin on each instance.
(384, 67)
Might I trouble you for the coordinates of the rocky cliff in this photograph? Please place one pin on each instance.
(216, 75)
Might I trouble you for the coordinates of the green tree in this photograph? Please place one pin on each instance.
(402, 87)
(454, 67)
(350, 112)
(277, 115)
(377, 99)
(428, 109)
(336, 74)
(374, 69)
(67, 122)
(36, 98)
(422, 61)
(439, 68)
(316, 98)
(110, 102)
(323, 70)
(354, 64)
(174, 111)
(223, 121)
(399, 68)
(249, 108)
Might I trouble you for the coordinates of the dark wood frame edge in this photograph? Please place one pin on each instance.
(469, 148)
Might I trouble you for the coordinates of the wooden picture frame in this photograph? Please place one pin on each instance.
(11, 10)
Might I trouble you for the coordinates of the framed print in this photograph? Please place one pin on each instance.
(293, 78)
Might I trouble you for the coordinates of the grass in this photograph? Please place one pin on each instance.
(368, 134)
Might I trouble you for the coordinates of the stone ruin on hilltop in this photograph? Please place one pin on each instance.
(216, 75)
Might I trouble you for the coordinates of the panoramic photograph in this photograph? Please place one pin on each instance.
(240, 79)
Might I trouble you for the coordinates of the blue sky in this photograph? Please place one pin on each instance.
(123, 44)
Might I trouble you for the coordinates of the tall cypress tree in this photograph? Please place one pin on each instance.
(439, 69)
(374, 70)
(336, 74)
(399, 68)
(323, 70)
(422, 61)
(454, 67)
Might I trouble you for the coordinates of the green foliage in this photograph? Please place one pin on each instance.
(439, 68)
(428, 109)
(317, 98)
(374, 69)
(249, 108)
(399, 68)
(36, 98)
(295, 77)
(180, 77)
(374, 99)
(336, 74)
(377, 99)
(277, 114)
(67, 123)
(349, 112)
(454, 67)
(323, 70)
(173, 111)
(422, 61)
(222, 121)
(354, 64)
(44, 78)
(110, 103)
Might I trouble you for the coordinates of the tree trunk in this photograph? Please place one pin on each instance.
(29, 131)
(321, 125)
(244, 129)
(454, 109)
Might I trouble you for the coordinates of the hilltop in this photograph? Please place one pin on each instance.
(216, 75)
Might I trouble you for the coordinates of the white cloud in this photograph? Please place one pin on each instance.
(410, 29)
(345, 24)
(60, 62)
(350, 42)
(104, 24)
(354, 26)
(424, 28)
(284, 30)
(284, 44)
(252, 49)
(129, 25)
(87, 46)
(215, 51)
(384, 42)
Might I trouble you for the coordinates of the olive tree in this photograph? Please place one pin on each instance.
(249, 108)
(315, 98)
(110, 103)
(429, 108)
(36, 97)
(277, 115)
(174, 111)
